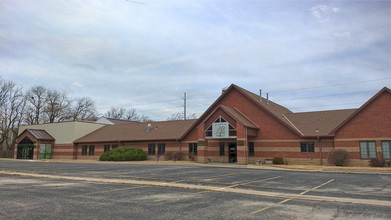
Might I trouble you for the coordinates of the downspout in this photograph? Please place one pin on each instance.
(320, 151)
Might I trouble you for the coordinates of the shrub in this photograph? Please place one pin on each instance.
(178, 156)
(374, 162)
(124, 154)
(388, 163)
(278, 160)
(338, 157)
(168, 155)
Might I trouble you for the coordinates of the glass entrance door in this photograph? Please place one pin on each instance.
(232, 155)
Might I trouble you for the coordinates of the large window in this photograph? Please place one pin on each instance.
(106, 148)
(92, 150)
(222, 146)
(193, 148)
(84, 150)
(231, 129)
(151, 149)
(367, 149)
(250, 148)
(386, 149)
(161, 148)
(307, 147)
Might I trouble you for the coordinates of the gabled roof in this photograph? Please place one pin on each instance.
(384, 90)
(239, 117)
(165, 130)
(39, 134)
(272, 108)
(323, 121)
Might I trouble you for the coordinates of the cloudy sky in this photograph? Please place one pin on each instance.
(144, 54)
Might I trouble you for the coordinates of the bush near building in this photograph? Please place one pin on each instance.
(124, 154)
(338, 157)
(278, 160)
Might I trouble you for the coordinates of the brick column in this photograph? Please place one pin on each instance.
(241, 144)
(202, 151)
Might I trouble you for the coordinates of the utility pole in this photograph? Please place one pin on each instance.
(184, 106)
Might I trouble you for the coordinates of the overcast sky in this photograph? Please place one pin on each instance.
(144, 54)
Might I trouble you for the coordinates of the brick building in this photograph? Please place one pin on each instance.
(243, 128)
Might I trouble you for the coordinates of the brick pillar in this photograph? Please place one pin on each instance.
(242, 148)
(202, 151)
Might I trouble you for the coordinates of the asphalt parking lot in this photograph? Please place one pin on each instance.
(47, 190)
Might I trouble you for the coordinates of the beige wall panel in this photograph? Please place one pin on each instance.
(65, 132)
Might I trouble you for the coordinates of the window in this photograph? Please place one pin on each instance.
(231, 129)
(84, 150)
(151, 149)
(106, 148)
(367, 149)
(307, 147)
(114, 146)
(92, 150)
(250, 148)
(193, 148)
(222, 146)
(386, 149)
(161, 148)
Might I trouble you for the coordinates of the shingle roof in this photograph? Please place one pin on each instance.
(238, 116)
(165, 130)
(40, 134)
(120, 121)
(323, 121)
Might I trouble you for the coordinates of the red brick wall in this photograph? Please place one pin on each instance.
(372, 123)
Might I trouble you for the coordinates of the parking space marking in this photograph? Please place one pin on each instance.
(289, 199)
(113, 190)
(219, 189)
(243, 184)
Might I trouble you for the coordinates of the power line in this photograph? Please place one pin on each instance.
(338, 84)
(310, 97)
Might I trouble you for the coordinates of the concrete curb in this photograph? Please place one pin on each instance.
(227, 189)
(325, 169)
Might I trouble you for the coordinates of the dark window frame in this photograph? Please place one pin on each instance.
(366, 145)
(161, 148)
(151, 149)
(383, 146)
(113, 146)
(106, 148)
(251, 151)
(91, 151)
(222, 148)
(193, 148)
(307, 147)
(367, 149)
(84, 150)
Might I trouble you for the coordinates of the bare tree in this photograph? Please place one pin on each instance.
(36, 101)
(12, 106)
(83, 109)
(179, 116)
(57, 106)
(116, 113)
(131, 115)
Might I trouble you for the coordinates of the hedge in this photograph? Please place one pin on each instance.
(124, 154)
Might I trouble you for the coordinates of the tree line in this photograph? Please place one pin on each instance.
(40, 105)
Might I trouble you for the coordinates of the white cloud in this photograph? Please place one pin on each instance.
(78, 84)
